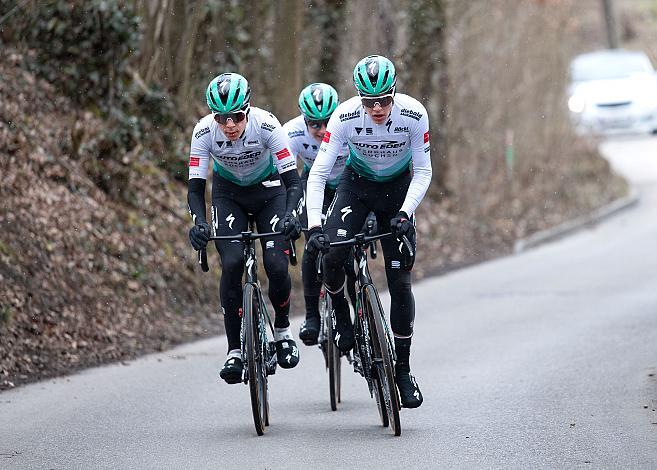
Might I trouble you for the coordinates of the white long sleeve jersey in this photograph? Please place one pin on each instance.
(305, 147)
(378, 152)
(262, 150)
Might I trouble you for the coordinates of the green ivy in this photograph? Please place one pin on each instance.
(82, 48)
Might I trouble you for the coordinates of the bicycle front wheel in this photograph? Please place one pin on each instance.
(382, 358)
(332, 354)
(255, 357)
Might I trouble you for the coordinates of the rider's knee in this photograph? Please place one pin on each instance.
(232, 266)
(276, 266)
(399, 282)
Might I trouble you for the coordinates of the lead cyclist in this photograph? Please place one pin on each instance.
(388, 172)
(251, 155)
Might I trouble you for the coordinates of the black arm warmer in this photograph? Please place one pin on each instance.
(294, 190)
(196, 199)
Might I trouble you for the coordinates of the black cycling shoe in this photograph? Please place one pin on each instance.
(287, 353)
(232, 370)
(409, 391)
(343, 332)
(309, 331)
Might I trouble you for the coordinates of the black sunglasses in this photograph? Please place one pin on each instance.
(317, 125)
(236, 117)
(371, 101)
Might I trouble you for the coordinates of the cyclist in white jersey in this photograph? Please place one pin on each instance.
(388, 172)
(250, 155)
(317, 102)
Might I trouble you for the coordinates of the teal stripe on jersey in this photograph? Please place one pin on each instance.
(360, 166)
(259, 177)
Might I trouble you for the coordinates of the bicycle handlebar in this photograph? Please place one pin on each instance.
(203, 252)
(361, 239)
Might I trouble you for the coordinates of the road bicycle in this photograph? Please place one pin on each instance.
(374, 351)
(258, 353)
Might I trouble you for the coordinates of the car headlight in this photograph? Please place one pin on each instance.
(576, 104)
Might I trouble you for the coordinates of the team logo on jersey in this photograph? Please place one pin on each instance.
(305, 146)
(358, 130)
(426, 137)
(267, 127)
(294, 134)
(349, 116)
(388, 124)
(369, 131)
(194, 161)
(251, 143)
(202, 132)
(230, 219)
(411, 114)
(314, 147)
(327, 137)
(398, 129)
(345, 212)
(384, 145)
(241, 157)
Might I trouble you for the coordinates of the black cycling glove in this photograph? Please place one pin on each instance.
(401, 225)
(199, 235)
(291, 227)
(317, 241)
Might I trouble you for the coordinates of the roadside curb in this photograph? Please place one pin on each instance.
(554, 233)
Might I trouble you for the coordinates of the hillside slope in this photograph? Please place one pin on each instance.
(86, 275)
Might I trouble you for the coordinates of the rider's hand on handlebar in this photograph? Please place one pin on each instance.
(199, 235)
(317, 241)
(401, 225)
(291, 227)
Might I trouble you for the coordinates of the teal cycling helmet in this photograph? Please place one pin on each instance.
(318, 101)
(227, 93)
(374, 76)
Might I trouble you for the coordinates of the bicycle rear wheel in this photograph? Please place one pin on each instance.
(382, 358)
(332, 354)
(255, 358)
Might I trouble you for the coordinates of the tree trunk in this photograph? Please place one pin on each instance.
(427, 79)
(287, 65)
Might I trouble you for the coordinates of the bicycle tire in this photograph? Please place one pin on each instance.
(332, 356)
(383, 358)
(380, 400)
(255, 357)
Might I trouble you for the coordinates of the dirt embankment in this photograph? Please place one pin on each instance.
(87, 275)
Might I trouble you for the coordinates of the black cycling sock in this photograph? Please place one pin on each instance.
(312, 306)
(340, 305)
(282, 319)
(402, 350)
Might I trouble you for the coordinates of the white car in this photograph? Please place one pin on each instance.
(613, 91)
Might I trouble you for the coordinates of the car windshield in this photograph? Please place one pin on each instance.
(608, 67)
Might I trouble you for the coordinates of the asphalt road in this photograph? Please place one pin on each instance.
(544, 359)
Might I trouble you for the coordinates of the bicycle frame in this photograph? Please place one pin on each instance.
(258, 354)
(363, 278)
